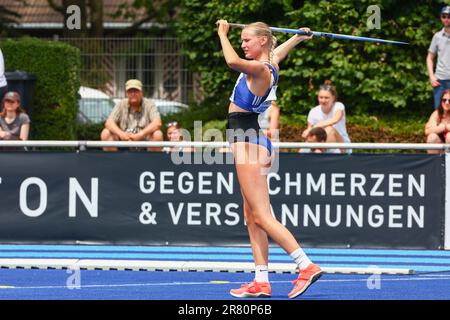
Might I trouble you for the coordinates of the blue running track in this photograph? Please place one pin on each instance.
(33, 284)
(431, 280)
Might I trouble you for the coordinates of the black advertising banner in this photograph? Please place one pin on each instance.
(385, 201)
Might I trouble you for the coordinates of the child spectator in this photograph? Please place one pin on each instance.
(174, 133)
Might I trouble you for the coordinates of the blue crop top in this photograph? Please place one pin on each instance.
(245, 99)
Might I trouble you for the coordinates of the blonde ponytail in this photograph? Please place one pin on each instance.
(272, 49)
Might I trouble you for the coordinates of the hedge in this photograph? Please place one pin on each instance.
(56, 66)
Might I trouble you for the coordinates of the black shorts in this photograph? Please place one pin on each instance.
(244, 127)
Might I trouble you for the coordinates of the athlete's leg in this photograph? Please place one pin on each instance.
(258, 238)
(255, 190)
(260, 286)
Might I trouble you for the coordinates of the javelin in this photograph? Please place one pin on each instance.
(325, 34)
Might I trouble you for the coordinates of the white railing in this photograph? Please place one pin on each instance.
(80, 144)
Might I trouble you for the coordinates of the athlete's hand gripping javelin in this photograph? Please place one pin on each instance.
(283, 49)
(222, 27)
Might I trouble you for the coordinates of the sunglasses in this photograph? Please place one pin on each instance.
(326, 87)
(445, 100)
(445, 16)
(172, 124)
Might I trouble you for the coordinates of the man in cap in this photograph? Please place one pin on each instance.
(440, 47)
(134, 118)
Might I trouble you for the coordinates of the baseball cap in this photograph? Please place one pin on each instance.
(133, 84)
(446, 10)
(12, 96)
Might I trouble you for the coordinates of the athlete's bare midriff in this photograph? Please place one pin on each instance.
(234, 108)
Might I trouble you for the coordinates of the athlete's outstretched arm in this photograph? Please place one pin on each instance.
(283, 49)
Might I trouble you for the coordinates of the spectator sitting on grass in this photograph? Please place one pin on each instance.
(330, 115)
(317, 135)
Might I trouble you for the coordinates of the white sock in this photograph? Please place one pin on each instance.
(261, 273)
(300, 258)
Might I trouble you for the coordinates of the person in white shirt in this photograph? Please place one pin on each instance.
(330, 115)
(269, 121)
(3, 83)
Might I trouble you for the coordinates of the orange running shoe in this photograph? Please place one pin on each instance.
(253, 290)
(305, 278)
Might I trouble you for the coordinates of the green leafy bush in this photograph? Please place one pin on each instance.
(56, 67)
(88, 131)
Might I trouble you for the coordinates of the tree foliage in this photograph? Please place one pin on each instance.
(370, 77)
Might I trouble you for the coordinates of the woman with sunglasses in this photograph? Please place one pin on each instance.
(253, 93)
(438, 124)
(14, 122)
(440, 47)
